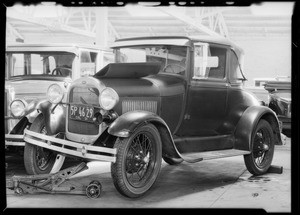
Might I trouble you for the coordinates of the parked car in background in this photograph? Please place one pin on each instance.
(280, 101)
(31, 69)
(172, 98)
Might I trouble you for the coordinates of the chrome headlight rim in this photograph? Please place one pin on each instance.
(104, 95)
(22, 112)
(55, 99)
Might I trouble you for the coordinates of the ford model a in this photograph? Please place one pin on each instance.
(176, 98)
(30, 70)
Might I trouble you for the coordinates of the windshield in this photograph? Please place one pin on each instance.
(39, 63)
(171, 58)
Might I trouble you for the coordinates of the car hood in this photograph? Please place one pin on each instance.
(284, 95)
(140, 80)
(155, 86)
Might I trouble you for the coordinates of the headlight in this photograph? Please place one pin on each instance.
(108, 98)
(55, 93)
(17, 107)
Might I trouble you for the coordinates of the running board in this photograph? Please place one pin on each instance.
(199, 156)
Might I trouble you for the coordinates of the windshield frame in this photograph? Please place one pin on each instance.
(9, 62)
(117, 49)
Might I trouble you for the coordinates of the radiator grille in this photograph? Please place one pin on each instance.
(130, 105)
(83, 95)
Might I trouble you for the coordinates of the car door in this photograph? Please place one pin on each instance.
(207, 93)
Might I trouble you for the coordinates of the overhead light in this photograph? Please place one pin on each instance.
(149, 3)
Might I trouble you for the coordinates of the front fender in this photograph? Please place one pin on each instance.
(55, 117)
(20, 126)
(32, 108)
(127, 123)
(247, 123)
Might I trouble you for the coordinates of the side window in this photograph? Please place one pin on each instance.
(209, 62)
(18, 64)
(52, 63)
(36, 64)
(87, 63)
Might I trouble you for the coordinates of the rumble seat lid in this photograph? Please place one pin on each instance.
(128, 70)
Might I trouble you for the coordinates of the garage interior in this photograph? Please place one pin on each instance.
(263, 31)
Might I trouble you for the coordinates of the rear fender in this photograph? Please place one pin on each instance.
(127, 123)
(249, 120)
(55, 117)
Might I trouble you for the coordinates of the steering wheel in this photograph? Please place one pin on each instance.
(170, 65)
(58, 71)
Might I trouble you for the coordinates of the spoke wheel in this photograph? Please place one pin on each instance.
(262, 146)
(38, 160)
(138, 161)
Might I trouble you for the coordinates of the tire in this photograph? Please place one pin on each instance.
(38, 160)
(134, 172)
(262, 149)
(173, 161)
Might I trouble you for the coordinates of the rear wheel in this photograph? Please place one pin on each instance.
(38, 160)
(262, 147)
(138, 161)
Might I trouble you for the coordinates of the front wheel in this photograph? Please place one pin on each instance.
(38, 160)
(138, 161)
(262, 149)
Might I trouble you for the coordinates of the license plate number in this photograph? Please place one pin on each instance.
(81, 112)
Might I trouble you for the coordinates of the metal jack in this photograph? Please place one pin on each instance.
(54, 183)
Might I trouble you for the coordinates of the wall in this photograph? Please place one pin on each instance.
(266, 57)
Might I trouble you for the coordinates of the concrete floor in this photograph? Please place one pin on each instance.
(220, 183)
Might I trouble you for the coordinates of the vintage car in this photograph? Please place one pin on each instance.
(176, 98)
(280, 101)
(30, 70)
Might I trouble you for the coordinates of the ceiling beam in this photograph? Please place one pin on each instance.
(13, 31)
(188, 20)
(50, 24)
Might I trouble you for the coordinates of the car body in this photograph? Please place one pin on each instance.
(176, 98)
(280, 101)
(28, 76)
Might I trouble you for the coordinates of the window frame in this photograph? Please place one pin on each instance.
(210, 79)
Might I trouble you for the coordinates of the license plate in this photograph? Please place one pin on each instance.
(81, 112)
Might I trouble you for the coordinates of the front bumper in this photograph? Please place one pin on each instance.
(70, 148)
(14, 140)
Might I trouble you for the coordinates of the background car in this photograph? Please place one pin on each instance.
(31, 69)
(280, 101)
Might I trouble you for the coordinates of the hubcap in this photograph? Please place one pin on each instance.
(261, 147)
(140, 160)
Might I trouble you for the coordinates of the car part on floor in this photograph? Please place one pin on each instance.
(54, 183)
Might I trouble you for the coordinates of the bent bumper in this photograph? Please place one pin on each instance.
(14, 140)
(70, 148)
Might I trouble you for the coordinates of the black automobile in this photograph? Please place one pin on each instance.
(280, 101)
(176, 98)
